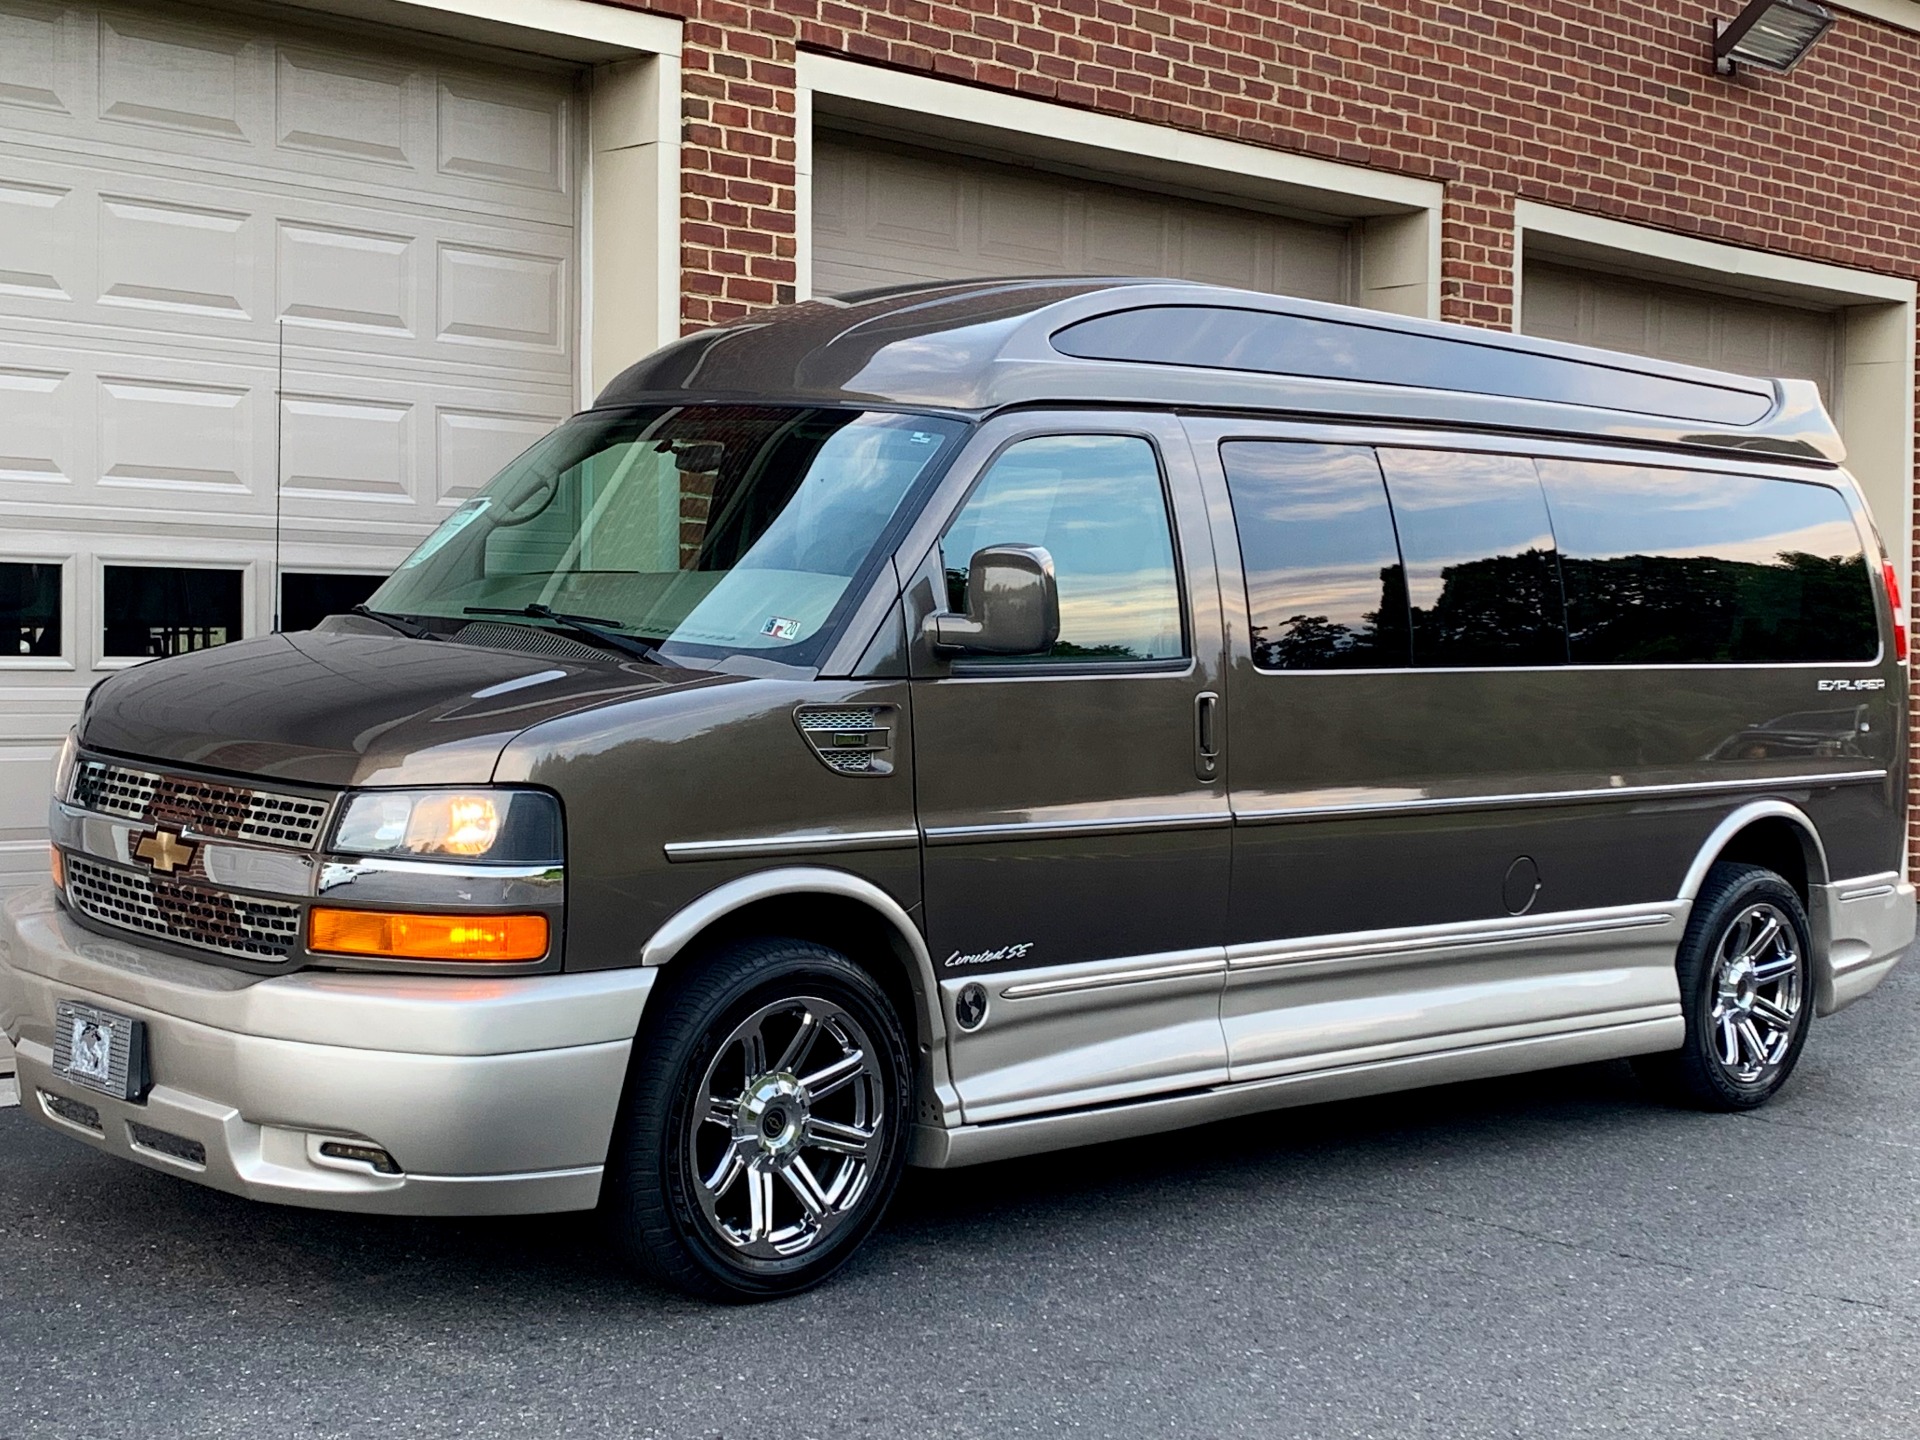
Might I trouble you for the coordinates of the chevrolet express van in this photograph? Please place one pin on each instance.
(954, 723)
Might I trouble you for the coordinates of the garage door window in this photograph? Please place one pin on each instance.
(155, 610)
(29, 609)
(307, 598)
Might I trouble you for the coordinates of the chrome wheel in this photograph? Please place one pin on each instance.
(786, 1128)
(1756, 992)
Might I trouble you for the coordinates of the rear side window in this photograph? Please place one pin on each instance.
(1679, 567)
(1095, 502)
(1325, 589)
(1482, 583)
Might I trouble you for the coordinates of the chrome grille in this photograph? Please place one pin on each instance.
(204, 807)
(187, 914)
(838, 719)
(849, 739)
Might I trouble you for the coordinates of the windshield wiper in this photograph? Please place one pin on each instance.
(590, 626)
(394, 622)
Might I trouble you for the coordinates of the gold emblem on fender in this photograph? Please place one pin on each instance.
(165, 851)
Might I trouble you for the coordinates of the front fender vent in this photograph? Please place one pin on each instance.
(849, 739)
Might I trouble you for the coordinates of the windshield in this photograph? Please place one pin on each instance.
(713, 529)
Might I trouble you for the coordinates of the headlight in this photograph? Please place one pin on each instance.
(63, 767)
(493, 827)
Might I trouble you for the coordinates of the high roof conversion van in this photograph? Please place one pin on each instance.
(949, 724)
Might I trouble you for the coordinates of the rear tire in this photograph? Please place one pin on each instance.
(1746, 987)
(765, 1123)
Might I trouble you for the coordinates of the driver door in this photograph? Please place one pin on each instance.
(1073, 802)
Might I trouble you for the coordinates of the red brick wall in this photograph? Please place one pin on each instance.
(1610, 107)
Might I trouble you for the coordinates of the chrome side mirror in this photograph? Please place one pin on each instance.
(1013, 605)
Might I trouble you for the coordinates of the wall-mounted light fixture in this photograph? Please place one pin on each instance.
(1772, 34)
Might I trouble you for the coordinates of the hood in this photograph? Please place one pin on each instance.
(346, 707)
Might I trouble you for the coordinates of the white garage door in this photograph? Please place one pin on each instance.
(885, 214)
(1671, 323)
(181, 197)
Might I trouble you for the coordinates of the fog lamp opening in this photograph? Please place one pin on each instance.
(398, 935)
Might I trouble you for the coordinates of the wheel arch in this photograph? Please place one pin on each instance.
(1772, 833)
(844, 912)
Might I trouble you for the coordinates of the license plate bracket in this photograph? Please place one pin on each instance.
(100, 1050)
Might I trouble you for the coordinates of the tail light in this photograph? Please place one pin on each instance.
(1899, 616)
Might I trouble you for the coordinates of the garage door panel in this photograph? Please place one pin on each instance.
(34, 72)
(333, 276)
(508, 134)
(179, 257)
(1695, 327)
(1023, 222)
(169, 76)
(345, 106)
(408, 125)
(1119, 241)
(348, 449)
(886, 214)
(514, 298)
(472, 442)
(37, 258)
(40, 414)
(243, 268)
(1224, 250)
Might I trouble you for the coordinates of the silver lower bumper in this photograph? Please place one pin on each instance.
(1869, 926)
(493, 1096)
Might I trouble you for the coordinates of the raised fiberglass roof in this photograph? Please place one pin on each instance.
(980, 346)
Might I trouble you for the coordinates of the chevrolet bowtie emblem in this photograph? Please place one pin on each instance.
(165, 851)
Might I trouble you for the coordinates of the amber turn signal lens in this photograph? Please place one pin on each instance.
(59, 868)
(468, 939)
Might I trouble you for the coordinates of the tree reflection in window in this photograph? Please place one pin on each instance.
(1677, 567)
(1481, 580)
(1325, 588)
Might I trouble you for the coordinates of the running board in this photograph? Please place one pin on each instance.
(941, 1149)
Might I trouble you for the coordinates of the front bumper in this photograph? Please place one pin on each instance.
(494, 1096)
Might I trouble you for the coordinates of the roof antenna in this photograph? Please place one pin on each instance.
(279, 405)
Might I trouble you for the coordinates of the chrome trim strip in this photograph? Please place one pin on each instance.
(1267, 954)
(1871, 892)
(1286, 814)
(756, 847)
(1214, 964)
(1067, 829)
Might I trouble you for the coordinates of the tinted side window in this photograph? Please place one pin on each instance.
(1325, 588)
(1677, 567)
(1481, 575)
(1096, 503)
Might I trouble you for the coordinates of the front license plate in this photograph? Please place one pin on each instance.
(100, 1050)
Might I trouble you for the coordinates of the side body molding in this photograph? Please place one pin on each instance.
(688, 923)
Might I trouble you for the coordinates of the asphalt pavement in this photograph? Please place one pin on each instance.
(1554, 1255)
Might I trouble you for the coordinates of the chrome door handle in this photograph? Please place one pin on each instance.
(1206, 743)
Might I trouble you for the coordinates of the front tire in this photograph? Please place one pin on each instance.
(1746, 985)
(765, 1123)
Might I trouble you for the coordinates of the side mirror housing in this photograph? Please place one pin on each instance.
(1013, 605)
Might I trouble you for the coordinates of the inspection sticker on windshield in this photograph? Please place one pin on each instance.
(781, 628)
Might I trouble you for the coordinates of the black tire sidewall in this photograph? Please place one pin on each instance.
(1731, 888)
(674, 1241)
